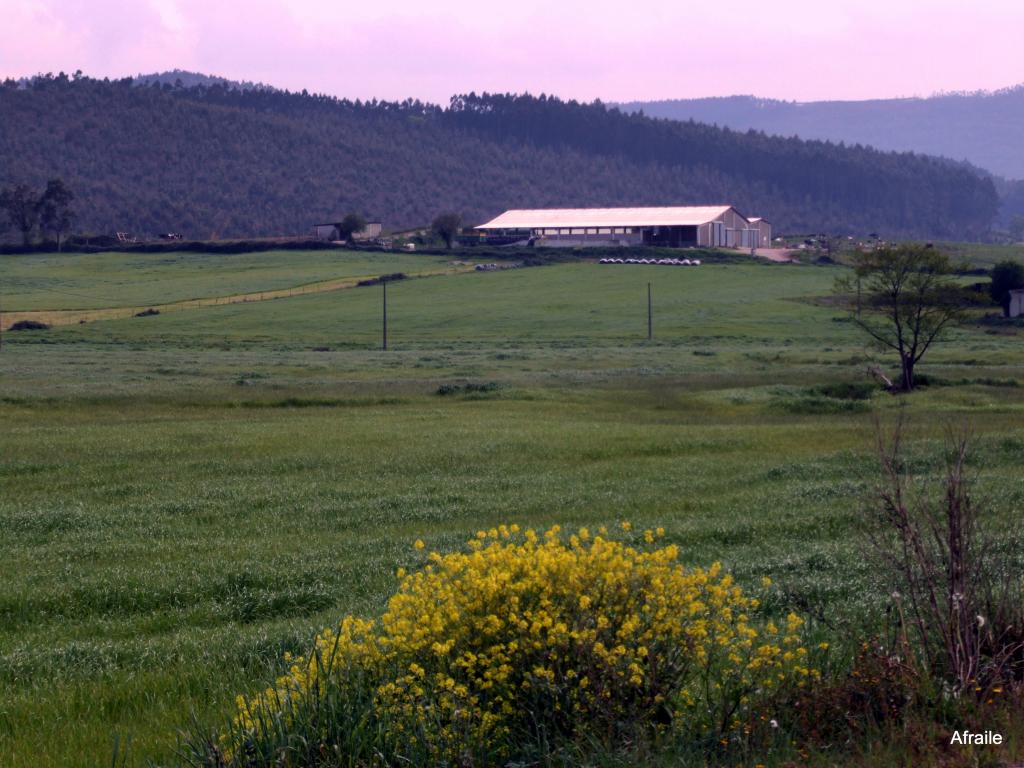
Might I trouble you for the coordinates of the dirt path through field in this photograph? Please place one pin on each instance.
(53, 317)
(781, 255)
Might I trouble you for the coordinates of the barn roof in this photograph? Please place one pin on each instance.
(684, 216)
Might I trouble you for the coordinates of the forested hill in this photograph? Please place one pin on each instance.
(210, 161)
(184, 78)
(983, 128)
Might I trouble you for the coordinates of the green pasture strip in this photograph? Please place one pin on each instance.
(117, 279)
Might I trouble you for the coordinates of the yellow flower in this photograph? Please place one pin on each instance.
(419, 544)
(573, 624)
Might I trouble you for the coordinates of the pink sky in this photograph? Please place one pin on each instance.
(643, 49)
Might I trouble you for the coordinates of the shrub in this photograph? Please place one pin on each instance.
(876, 692)
(958, 598)
(1007, 276)
(470, 388)
(29, 325)
(393, 277)
(847, 390)
(518, 647)
(812, 404)
(930, 380)
(148, 312)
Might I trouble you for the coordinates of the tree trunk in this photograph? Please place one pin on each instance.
(908, 374)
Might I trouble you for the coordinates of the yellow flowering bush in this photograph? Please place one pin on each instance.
(528, 639)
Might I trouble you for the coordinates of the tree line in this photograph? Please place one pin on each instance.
(29, 212)
(215, 161)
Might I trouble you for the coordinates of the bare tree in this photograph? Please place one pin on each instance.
(908, 298)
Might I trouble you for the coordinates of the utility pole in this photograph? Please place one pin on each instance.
(384, 286)
(650, 315)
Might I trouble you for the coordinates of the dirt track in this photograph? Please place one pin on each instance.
(782, 255)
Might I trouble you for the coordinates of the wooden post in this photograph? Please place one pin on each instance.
(650, 314)
(384, 286)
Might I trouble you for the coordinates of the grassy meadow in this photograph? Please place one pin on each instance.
(187, 496)
(116, 279)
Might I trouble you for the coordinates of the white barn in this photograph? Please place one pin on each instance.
(674, 227)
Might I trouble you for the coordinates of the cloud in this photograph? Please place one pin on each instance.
(170, 15)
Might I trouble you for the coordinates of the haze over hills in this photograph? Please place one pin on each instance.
(985, 129)
(212, 160)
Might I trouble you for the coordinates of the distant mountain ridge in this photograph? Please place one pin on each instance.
(187, 79)
(217, 160)
(984, 128)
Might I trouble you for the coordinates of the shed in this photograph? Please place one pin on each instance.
(764, 230)
(1017, 302)
(332, 231)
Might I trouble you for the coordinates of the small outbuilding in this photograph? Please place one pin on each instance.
(1017, 303)
(332, 231)
(764, 232)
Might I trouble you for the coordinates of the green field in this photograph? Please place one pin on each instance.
(186, 496)
(972, 255)
(118, 279)
(983, 254)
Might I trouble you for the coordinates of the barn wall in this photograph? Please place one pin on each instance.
(325, 232)
(373, 229)
(733, 220)
(1016, 303)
